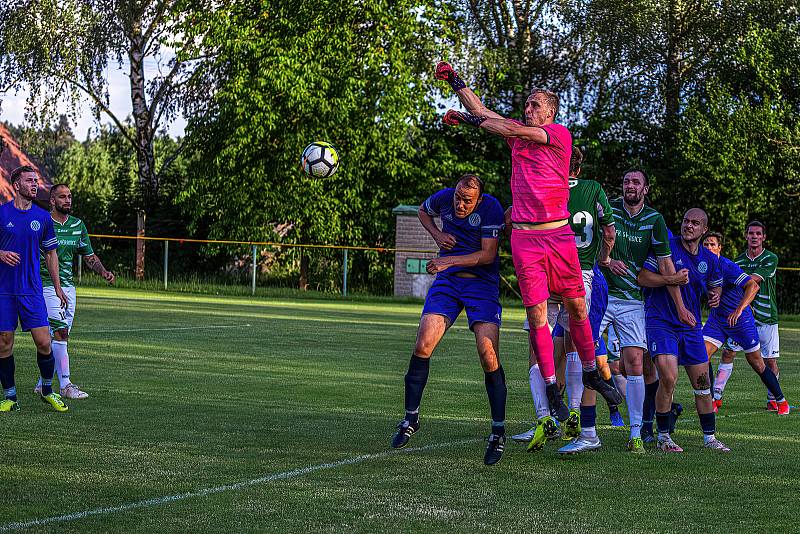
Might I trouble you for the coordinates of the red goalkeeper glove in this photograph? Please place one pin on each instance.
(444, 71)
(454, 118)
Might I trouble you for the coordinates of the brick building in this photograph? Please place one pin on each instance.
(410, 277)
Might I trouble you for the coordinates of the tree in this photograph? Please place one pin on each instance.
(61, 49)
(358, 75)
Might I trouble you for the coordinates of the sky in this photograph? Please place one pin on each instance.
(12, 108)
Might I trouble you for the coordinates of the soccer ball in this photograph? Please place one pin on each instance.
(320, 159)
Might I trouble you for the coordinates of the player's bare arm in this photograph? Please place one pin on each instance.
(94, 263)
(750, 291)
(650, 279)
(665, 266)
(51, 262)
(607, 244)
(484, 256)
(468, 99)
(443, 240)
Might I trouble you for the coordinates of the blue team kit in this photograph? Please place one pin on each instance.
(24, 232)
(716, 329)
(479, 292)
(666, 334)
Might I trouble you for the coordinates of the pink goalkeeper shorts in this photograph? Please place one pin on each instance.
(546, 262)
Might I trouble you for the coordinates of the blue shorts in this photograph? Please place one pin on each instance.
(558, 330)
(450, 294)
(685, 343)
(717, 332)
(597, 309)
(28, 310)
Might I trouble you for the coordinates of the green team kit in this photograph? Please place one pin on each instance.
(637, 235)
(589, 210)
(765, 305)
(73, 237)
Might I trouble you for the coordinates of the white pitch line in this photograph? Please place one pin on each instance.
(165, 329)
(157, 501)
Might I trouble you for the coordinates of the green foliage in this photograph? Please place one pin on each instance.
(741, 150)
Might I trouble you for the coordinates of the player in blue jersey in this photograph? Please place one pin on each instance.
(733, 320)
(671, 341)
(25, 229)
(467, 277)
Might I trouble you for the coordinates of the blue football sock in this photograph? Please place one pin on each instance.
(708, 423)
(771, 381)
(662, 423)
(496, 390)
(7, 377)
(416, 378)
(47, 366)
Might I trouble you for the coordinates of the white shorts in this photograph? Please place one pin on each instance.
(768, 338)
(627, 316)
(557, 313)
(57, 316)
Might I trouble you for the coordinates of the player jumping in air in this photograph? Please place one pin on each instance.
(25, 229)
(467, 277)
(543, 246)
(73, 237)
(733, 320)
(670, 340)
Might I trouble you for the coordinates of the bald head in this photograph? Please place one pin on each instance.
(694, 225)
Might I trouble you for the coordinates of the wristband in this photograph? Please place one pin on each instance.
(455, 81)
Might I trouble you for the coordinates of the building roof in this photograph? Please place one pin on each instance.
(11, 157)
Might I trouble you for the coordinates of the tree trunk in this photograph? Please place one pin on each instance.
(303, 271)
(144, 138)
(140, 224)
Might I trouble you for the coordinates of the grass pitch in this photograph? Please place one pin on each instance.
(275, 415)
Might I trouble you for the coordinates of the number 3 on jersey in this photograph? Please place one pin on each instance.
(583, 225)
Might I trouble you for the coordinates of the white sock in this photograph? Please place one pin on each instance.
(62, 362)
(708, 437)
(589, 431)
(724, 372)
(621, 382)
(538, 392)
(635, 400)
(574, 381)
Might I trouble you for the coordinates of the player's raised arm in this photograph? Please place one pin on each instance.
(468, 99)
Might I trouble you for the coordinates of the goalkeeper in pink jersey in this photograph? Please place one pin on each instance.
(542, 242)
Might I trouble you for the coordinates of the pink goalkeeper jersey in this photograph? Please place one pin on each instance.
(540, 176)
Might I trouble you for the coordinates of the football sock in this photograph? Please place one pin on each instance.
(709, 425)
(581, 333)
(496, 390)
(770, 396)
(662, 423)
(416, 378)
(622, 384)
(649, 407)
(542, 343)
(589, 421)
(635, 400)
(47, 366)
(724, 372)
(62, 362)
(773, 386)
(538, 392)
(7, 377)
(574, 381)
(602, 366)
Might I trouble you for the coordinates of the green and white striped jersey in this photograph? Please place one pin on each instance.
(588, 210)
(637, 235)
(765, 265)
(72, 237)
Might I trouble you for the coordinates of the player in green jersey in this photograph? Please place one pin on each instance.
(640, 230)
(73, 238)
(762, 265)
